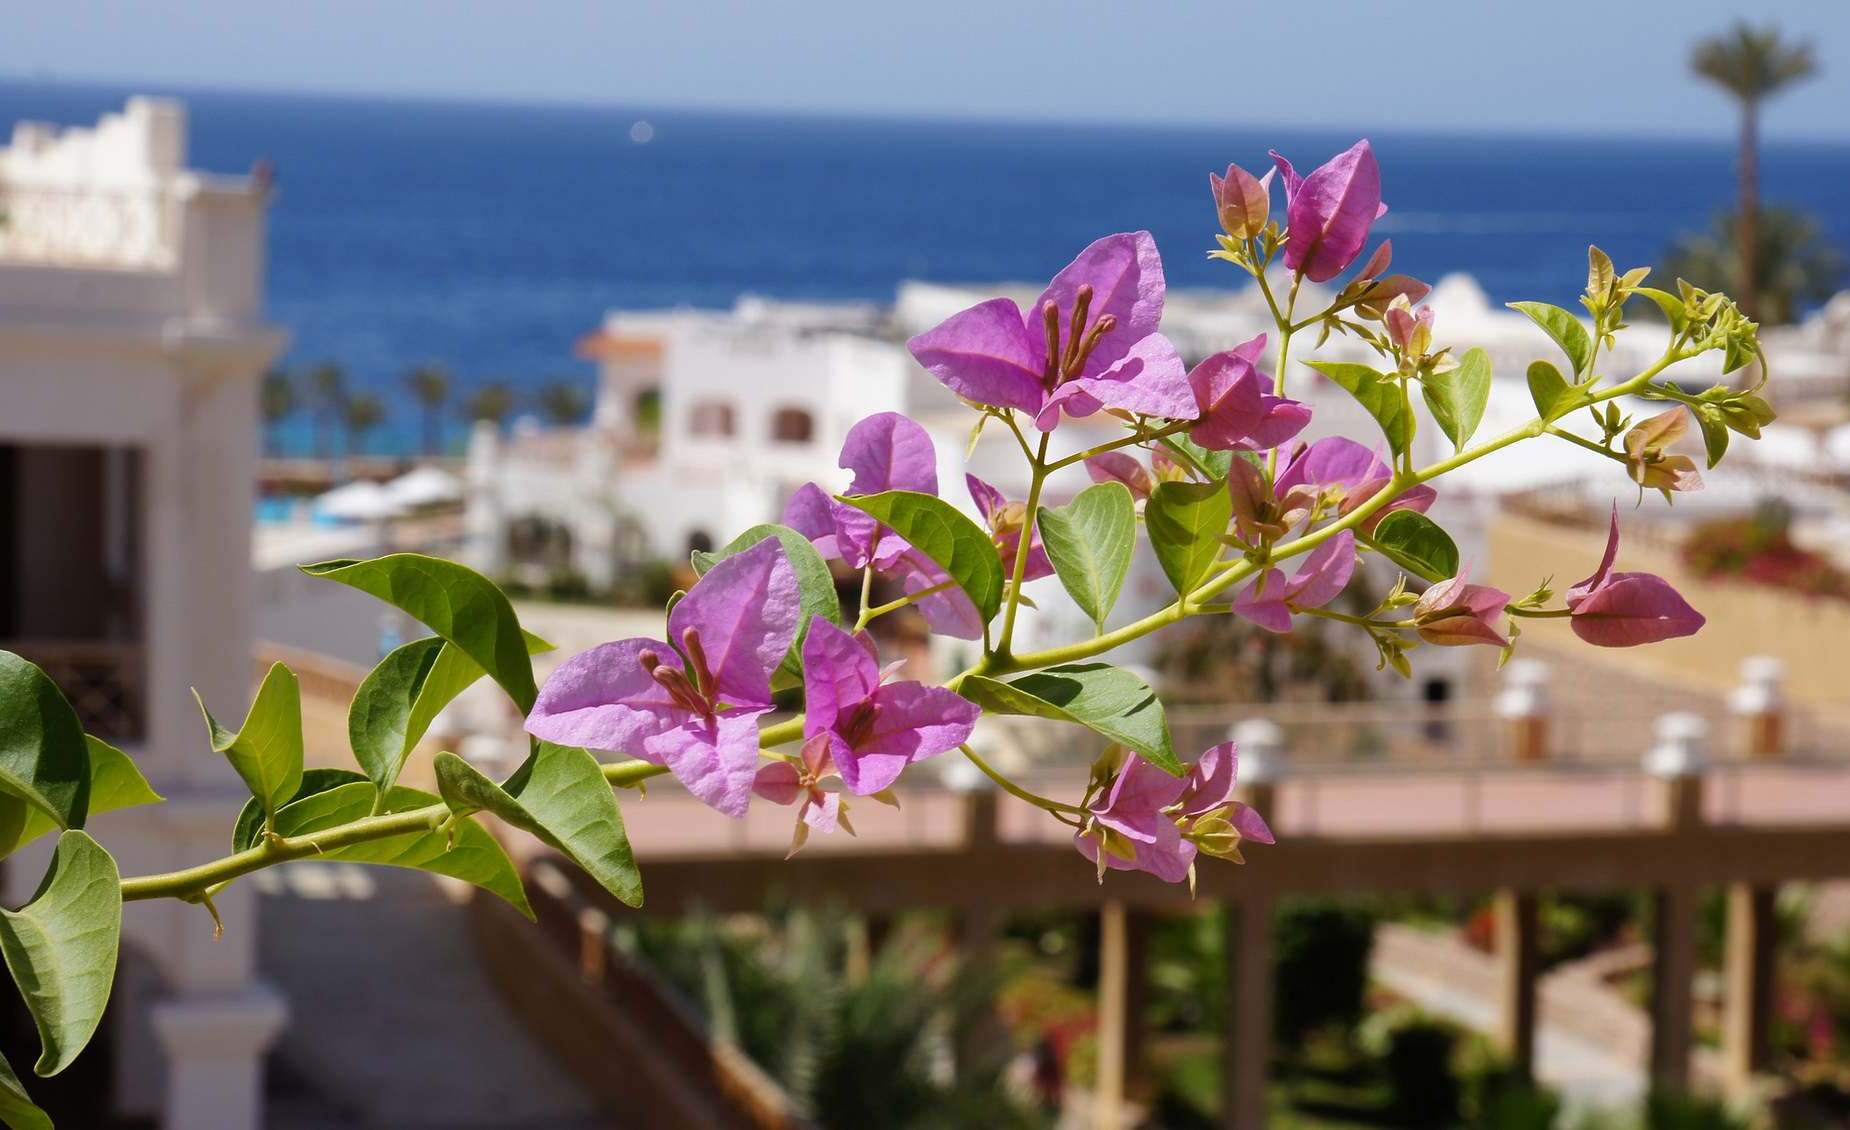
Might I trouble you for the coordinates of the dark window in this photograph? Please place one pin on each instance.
(792, 425)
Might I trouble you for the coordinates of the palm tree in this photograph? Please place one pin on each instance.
(361, 413)
(491, 401)
(563, 402)
(430, 386)
(1752, 64)
(277, 401)
(327, 391)
(1793, 263)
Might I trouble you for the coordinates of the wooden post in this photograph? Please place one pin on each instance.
(1246, 1047)
(1753, 928)
(1753, 923)
(1673, 973)
(1678, 760)
(1114, 1019)
(1518, 969)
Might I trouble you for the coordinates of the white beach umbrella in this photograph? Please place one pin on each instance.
(360, 501)
(424, 486)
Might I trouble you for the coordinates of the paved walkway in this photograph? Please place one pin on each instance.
(393, 1023)
(1591, 1043)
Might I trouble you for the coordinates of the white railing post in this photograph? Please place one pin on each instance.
(1760, 703)
(1524, 704)
(1263, 761)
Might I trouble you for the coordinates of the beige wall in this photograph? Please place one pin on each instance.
(1743, 619)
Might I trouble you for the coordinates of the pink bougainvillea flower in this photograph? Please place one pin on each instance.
(693, 707)
(1238, 409)
(1089, 342)
(1005, 520)
(1150, 821)
(1330, 211)
(873, 731)
(1612, 609)
(1453, 613)
(1243, 201)
(1207, 792)
(1127, 829)
(787, 783)
(1343, 469)
(1259, 512)
(1271, 600)
(886, 451)
(1647, 455)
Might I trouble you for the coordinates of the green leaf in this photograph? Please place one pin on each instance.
(458, 604)
(1552, 394)
(1714, 426)
(61, 947)
(1457, 397)
(815, 584)
(941, 532)
(559, 794)
(1105, 699)
(17, 1110)
(43, 759)
(399, 699)
(329, 798)
(1417, 544)
(1670, 304)
(1090, 541)
(1215, 463)
(1186, 521)
(267, 750)
(14, 816)
(1379, 393)
(1565, 330)
(115, 782)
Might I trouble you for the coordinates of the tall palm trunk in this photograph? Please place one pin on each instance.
(1747, 224)
(433, 435)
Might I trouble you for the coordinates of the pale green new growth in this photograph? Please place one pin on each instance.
(267, 750)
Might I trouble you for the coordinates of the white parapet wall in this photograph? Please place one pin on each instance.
(132, 340)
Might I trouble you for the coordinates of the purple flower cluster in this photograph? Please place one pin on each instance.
(1091, 344)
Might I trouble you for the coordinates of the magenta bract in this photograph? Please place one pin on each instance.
(1611, 609)
(1090, 341)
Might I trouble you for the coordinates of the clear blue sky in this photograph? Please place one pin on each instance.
(1557, 66)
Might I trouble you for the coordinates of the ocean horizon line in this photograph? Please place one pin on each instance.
(1721, 138)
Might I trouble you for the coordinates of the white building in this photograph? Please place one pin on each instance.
(131, 340)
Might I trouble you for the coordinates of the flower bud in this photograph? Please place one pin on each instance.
(1410, 332)
(1243, 201)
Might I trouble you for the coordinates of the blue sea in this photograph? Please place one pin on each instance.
(490, 237)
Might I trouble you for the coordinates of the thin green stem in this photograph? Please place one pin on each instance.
(868, 615)
(1037, 479)
(194, 883)
(1582, 441)
(1016, 791)
(1141, 435)
(1540, 613)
